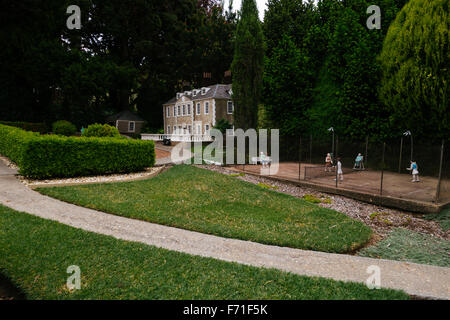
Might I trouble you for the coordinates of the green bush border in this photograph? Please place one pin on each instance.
(48, 156)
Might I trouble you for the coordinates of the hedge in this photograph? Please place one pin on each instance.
(49, 156)
(28, 126)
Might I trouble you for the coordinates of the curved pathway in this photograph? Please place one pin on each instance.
(419, 280)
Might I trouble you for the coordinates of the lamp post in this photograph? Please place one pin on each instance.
(408, 133)
(332, 143)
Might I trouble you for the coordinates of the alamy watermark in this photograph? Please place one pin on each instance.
(74, 281)
(235, 152)
(374, 281)
(74, 20)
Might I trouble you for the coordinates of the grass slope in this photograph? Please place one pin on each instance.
(443, 218)
(35, 254)
(201, 200)
(407, 245)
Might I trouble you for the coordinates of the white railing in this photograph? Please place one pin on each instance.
(177, 137)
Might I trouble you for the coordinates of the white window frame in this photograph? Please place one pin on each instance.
(189, 129)
(134, 126)
(189, 109)
(206, 107)
(232, 107)
(199, 109)
(184, 109)
(174, 130)
(207, 128)
(179, 110)
(199, 129)
(168, 112)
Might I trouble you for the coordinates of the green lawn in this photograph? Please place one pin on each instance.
(35, 254)
(443, 218)
(407, 245)
(201, 200)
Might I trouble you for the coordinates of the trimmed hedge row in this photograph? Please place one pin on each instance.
(46, 156)
(28, 126)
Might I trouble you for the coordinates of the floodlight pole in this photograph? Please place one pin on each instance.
(400, 158)
(412, 148)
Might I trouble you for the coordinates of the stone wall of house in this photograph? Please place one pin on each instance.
(217, 108)
(222, 111)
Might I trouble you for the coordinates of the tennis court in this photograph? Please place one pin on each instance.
(368, 181)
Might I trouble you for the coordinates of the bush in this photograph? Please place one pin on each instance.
(42, 157)
(101, 130)
(28, 126)
(64, 128)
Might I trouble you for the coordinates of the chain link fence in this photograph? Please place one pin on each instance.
(367, 166)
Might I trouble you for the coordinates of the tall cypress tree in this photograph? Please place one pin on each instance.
(247, 67)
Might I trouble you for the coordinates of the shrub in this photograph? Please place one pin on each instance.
(42, 157)
(101, 130)
(28, 126)
(64, 128)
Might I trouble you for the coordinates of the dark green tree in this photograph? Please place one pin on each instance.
(247, 67)
(415, 63)
(287, 87)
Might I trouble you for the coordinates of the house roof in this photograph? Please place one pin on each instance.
(125, 115)
(217, 91)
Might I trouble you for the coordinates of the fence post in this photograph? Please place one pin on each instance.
(300, 158)
(367, 149)
(438, 188)
(400, 158)
(382, 169)
(336, 156)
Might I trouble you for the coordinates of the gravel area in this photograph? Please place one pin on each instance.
(93, 179)
(8, 163)
(382, 220)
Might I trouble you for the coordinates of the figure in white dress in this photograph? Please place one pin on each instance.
(340, 173)
(414, 168)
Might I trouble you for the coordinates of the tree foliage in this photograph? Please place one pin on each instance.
(287, 85)
(415, 66)
(247, 67)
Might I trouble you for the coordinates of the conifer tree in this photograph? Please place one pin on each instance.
(247, 67)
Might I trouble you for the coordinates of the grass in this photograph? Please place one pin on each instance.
(209, 202)
(407, 245)
(443, 218)
(35, 254)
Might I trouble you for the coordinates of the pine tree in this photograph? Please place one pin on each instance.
(247, 67)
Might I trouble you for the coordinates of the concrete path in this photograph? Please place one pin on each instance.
(415, 279)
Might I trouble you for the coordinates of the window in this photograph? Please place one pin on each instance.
(203, 91)
(184, 110)
(230, 107)
(168, 129)
(174, 111)
(190, 129)
(198, 108)
(189, 109)
(206, 128)
(179, 110)
(199, 129)
(131, 126)
(168, 112)
(179, 130)
(206, 107)
(175, 129)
